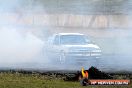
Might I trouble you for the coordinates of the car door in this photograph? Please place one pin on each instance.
(54, 48)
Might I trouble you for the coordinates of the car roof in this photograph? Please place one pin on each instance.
(70, 34)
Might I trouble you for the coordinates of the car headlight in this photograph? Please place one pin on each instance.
(98, 51)
(95, 54)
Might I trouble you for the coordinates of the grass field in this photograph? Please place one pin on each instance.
(18, 80)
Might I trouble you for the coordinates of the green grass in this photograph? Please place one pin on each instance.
(18, 80)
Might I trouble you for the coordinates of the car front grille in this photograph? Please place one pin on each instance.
(84, 54)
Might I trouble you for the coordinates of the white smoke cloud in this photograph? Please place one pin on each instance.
(24, 46)
(18, 47)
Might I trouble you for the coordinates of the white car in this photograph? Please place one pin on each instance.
(71, 48)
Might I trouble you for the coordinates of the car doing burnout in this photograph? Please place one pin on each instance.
(71, 48)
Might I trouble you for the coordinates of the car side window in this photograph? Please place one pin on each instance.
(56, 40)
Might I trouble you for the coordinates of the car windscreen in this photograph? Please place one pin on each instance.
(73, 39)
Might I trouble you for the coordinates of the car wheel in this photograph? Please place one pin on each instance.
(62, 57)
